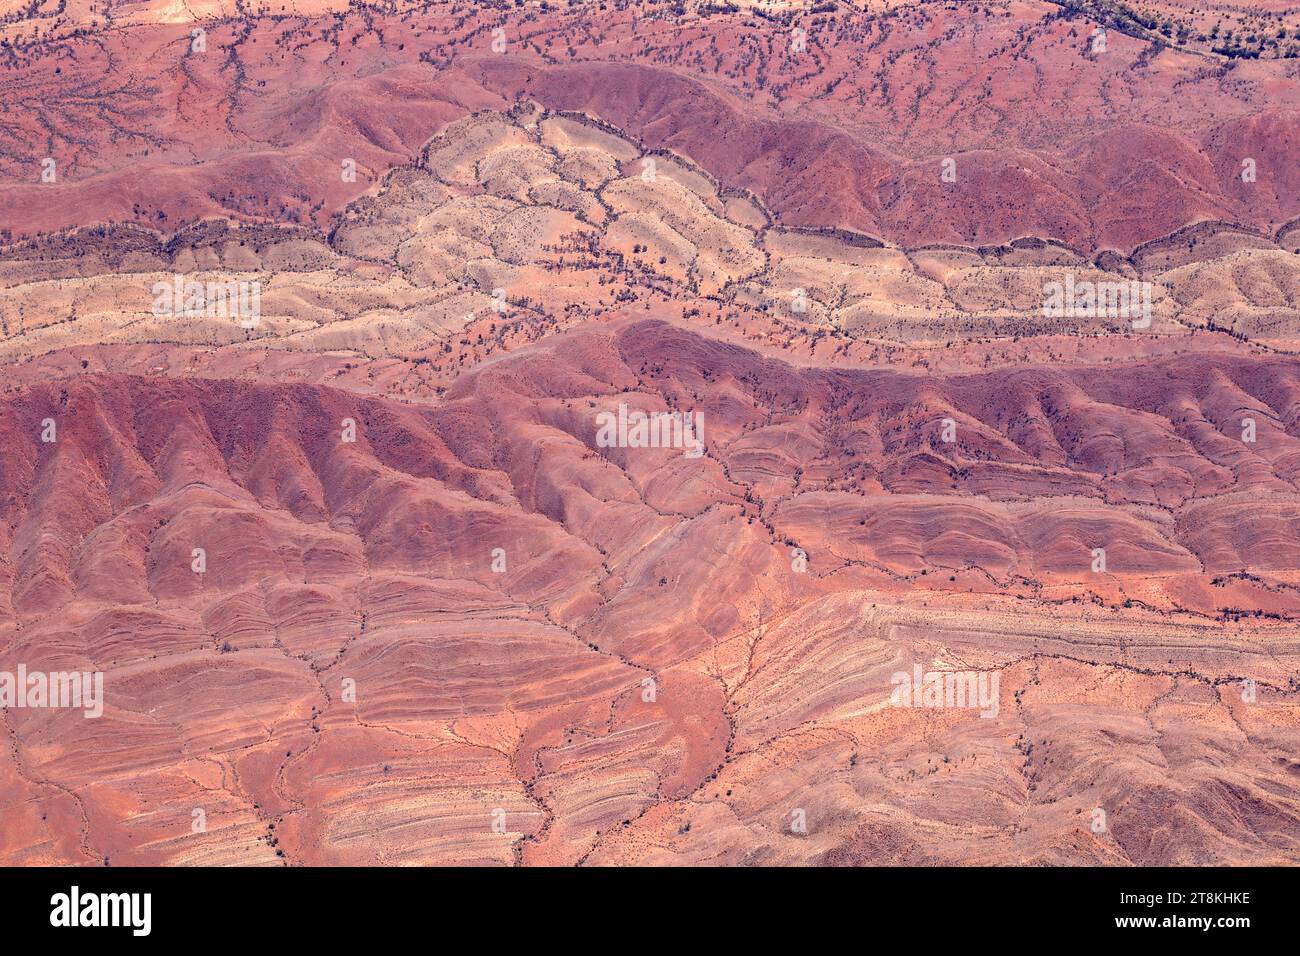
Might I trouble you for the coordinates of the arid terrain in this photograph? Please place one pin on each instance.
(584, 433)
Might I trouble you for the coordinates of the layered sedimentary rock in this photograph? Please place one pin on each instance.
(475, 613)
(658, 434)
